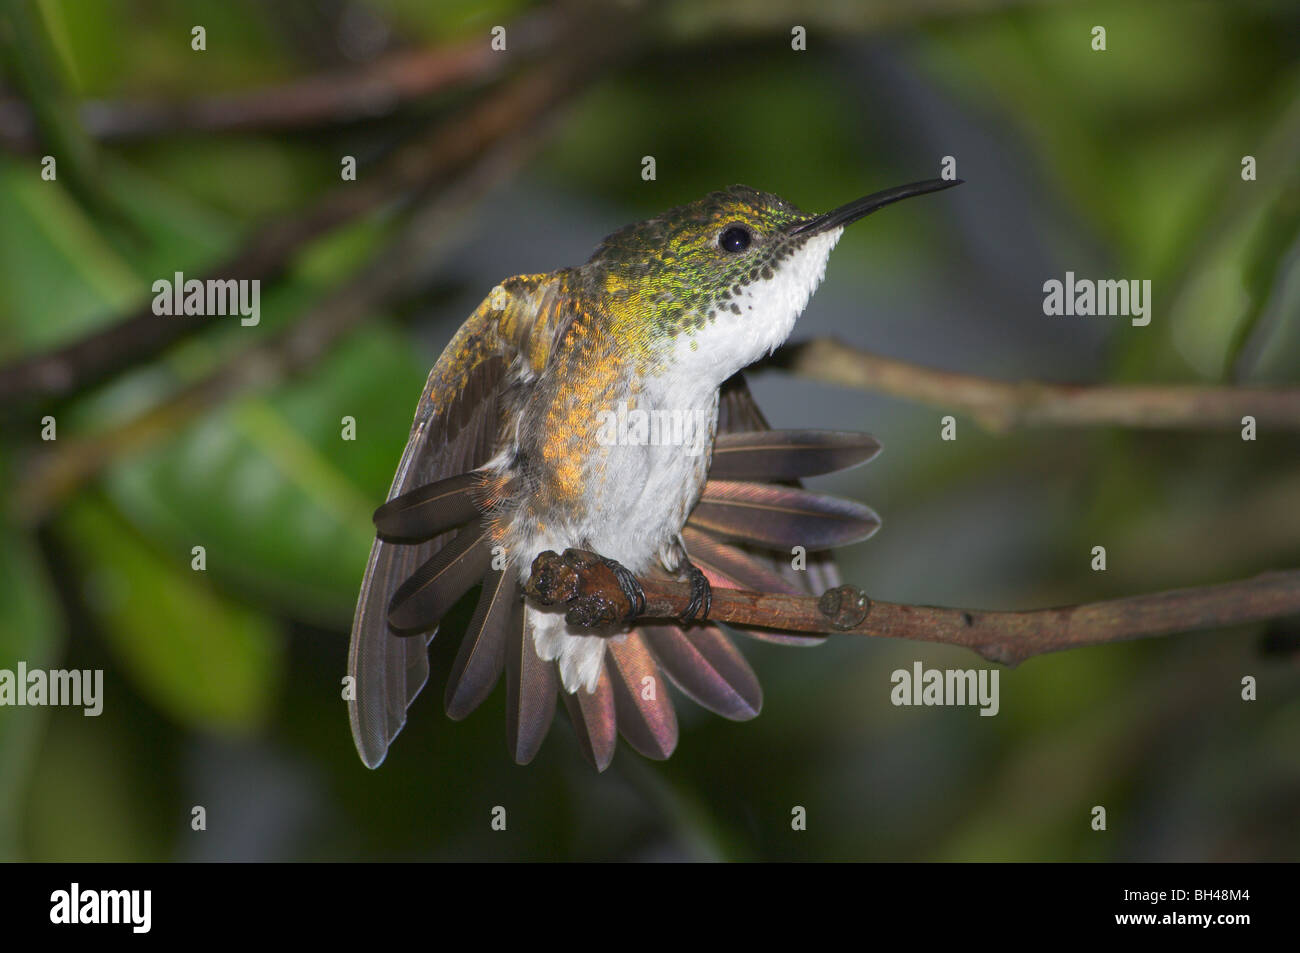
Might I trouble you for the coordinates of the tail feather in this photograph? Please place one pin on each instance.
(645, 712)
(742, 569)
(594, 720)
(730, 567)
(708, 668)
(531, 684)
(482, 655)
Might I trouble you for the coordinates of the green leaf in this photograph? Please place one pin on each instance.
(196, 654)
(1267, 262)
(33, 66)
(58, 276)
(31, 630)
(270, 486)
(61, 276)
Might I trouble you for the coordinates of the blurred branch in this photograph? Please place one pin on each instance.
(365, 92)
(586, 585)
(502, 133)
(832, 18)
(432, 158)
(380, 88)
(1002, 405)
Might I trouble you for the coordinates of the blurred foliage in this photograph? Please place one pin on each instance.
(223, 686)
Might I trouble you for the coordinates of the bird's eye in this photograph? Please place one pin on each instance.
(734, 239)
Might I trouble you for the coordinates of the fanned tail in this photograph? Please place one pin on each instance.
(595, 720)
(708, 668)
(751, 512)
(531, 684)
(746, 503)
(645, 713)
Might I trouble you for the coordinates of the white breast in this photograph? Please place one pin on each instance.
(768, 310)
(639, 497)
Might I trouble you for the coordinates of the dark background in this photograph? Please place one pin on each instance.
(223, 688)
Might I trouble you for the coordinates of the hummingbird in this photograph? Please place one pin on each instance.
(534, 433)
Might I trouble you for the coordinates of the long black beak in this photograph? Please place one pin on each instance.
(837, 218)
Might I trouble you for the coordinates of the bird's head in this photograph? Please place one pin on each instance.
(716, 284)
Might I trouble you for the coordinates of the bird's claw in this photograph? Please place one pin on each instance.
(701, 597)
(631, 588)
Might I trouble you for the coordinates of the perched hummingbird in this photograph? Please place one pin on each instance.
(532, 435)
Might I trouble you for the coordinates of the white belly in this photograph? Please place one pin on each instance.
(638, 498)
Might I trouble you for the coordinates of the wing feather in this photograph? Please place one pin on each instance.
(739, 413)
(457, 428)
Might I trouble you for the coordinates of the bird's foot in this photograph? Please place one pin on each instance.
(701, 596)
(583, 582)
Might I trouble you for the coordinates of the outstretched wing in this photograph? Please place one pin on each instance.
(739, 414)
(506, 341)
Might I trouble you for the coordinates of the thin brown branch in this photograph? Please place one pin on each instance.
(365, 92)
(588, 589)
(1002, 405)
(436, 157)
